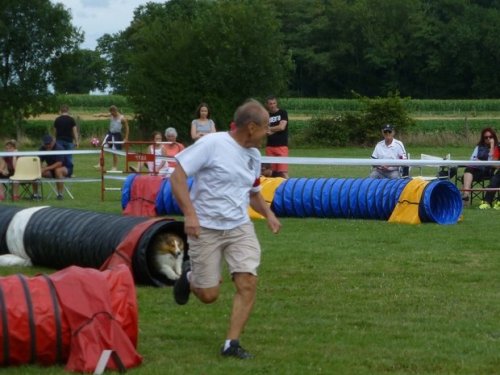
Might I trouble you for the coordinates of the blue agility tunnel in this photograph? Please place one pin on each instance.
(338, 197)
(364, 198)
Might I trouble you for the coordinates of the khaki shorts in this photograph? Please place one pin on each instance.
(239, 247)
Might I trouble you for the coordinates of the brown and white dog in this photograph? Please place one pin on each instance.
(169, 254)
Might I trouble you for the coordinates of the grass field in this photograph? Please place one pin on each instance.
(335, 296)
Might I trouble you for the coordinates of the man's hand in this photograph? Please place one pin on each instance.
(192, 226)
(273, 223)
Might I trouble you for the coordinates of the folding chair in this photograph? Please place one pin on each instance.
(28, 172)
(477, 187)
(441, 172)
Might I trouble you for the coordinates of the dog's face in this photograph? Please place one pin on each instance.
(168, 243)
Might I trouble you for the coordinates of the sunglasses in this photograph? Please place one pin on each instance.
(387, 131)
(488, 137)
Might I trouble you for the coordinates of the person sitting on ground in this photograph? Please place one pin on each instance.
(7, 168)
(489, 197)
(484, 150)
(56, 166)
(203, 124)
(389, 148)
(172, 147)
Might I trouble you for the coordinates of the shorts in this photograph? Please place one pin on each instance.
(278, 151)
(480, 173)
(113, 137)
(239, 247)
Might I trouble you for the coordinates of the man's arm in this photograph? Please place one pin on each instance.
(180, 189)
(278, 128)
(259, 205)
(75, 136)
(57, 164)
(125, 125)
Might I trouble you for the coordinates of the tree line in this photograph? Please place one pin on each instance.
(176, 54)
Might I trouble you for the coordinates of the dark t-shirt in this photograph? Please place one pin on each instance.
(279, 138)
(64, 125)
(52, 159)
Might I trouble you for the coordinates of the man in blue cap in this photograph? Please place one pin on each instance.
(56, 166)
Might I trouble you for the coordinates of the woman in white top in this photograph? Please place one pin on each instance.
(203, 124)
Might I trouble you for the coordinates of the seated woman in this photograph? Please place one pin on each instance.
(158, 149)
(7, 167)
(172, 147)
(489, 197)
(484, 150)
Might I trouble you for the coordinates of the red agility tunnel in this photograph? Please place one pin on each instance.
(69, 317)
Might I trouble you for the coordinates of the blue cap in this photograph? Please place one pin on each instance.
(47, 139)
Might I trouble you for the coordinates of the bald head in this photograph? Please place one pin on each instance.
(251, 111)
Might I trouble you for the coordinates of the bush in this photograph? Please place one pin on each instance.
(358, 128)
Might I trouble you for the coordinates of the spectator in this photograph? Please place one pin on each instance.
(56, 166)
(277, 139)
(172, 147)
(7, 168)
(484, 150)
(216, 219)
(202, 125)
(117, 123)
(65, 131)
(389, 148)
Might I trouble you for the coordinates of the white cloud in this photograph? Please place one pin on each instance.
(99, 17)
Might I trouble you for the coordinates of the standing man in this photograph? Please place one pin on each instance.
(65, 131)
(388, 148)
(277, 139)
(226, 169)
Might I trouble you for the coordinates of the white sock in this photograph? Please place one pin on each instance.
(227, 344)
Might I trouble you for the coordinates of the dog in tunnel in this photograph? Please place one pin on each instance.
(169, 249)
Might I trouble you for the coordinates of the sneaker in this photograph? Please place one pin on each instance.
(235, 350)
(465, 197)
(97, 166)
(36, 197)
(484, 206)
(182, 289)
(59, 197)
(497, 206)
(133, 169)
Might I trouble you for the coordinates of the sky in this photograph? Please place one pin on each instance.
(98, 17)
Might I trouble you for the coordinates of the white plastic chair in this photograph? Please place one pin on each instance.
(28, 171)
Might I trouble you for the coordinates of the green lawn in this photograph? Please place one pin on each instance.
(335, 296)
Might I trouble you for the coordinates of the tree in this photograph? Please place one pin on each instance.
(183, 52)
(32, 34)
(79, 72)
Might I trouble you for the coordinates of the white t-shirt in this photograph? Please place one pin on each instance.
(224, 175)
(396, 150)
